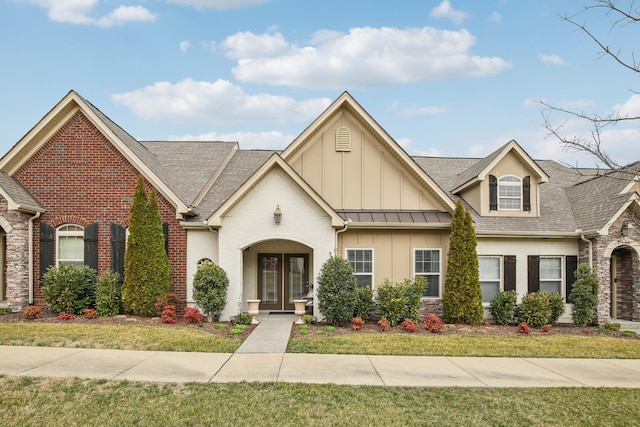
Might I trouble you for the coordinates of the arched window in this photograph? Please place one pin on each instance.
(510, 193)
(70, 239)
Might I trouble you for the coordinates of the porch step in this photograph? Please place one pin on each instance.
(270, 336)
(627, 325)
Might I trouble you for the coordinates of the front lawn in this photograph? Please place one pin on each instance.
(63, 402)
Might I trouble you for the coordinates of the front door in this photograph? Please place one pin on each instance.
(282, 278)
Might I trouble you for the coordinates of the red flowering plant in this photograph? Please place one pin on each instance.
(32, 312)
(357, 323)
(65, 316)
(409, 325)
(383, 324)
(169, 314)
(90, 313)
(433, 323)
(524, 328)
(193, 315)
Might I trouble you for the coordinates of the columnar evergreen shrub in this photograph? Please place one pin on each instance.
(462, 296)
(108, 294)
(364, 303)
(503, 307)
(584, 295)
(210, 285)
(147, 272)
(69, 288)
(337, 291)
(402, 300)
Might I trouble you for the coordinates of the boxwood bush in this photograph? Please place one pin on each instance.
(69, 288)
(540, 308)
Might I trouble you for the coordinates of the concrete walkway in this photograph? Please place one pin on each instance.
(262, 358)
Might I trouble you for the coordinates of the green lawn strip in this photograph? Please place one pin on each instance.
(122, 337)
(571, 346)
(61, 402)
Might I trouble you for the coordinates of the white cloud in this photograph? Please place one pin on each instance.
(495, 17)
(445, 10)
(80, 12)
(551, 59)
(364, 57)
(273, 140)
(216, 103)
(218, 4)
(185, 45)
(631, 108)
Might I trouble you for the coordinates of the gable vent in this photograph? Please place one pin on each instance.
(343, 139)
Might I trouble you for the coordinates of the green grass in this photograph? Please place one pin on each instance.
(122, 337)
(62, 402)
(572, 346)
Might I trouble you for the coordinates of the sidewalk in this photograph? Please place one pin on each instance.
(262, 358)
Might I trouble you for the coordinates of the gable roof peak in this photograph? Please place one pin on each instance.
(479, 171)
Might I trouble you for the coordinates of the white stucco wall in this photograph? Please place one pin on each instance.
(200, 244)
(522, 248)
(251, 221)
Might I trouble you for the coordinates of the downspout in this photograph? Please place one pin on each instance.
(31, 278)
(342, 230)
(583, 238)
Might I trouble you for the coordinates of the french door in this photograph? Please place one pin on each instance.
(282, 278)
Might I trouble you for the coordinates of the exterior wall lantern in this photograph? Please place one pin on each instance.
(277, 215)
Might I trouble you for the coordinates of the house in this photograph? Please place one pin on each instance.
(272, 218)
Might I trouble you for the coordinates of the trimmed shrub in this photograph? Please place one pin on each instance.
(32, 312)
(462, 296)
(383, 324)
(108, 294)
(65, 316)
(357, 323)
(364, 303)
(169, 314)
(556, 305)
(433, 323)
(243, 319)
(167, 298)
(540, 308)
(337, 295)
(545, 328)
(69, 288)
(409, 325)
(503, 307)
(399, 301)
(193, 315)
(210, 285)
(523, 328)
(90, 313)
(584, 296)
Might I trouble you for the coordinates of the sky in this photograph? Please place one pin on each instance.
(450, 78)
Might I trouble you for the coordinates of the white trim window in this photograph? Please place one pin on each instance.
(361, 261)
(551, 274)
(202, 261)
(509, 193)
(427, 263)
(490, 276)
(70, 245)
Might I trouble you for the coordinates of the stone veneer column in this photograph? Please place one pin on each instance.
(16, 226)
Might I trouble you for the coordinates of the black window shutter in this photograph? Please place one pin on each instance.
(526, 193)
(47, 248)
(533, 262)
(571, 265)
(117, 240)
(91, 246)
(493, 193)
(165, 231)
(509, 272)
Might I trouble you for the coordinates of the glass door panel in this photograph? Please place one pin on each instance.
(297, 280)
(269, 281)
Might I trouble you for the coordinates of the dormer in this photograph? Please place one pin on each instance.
(505, 183)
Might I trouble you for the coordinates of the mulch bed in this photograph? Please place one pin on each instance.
(455, 329)
(50, 317)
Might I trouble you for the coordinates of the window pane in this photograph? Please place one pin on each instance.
(489, 268)
(489, 290)
(364, 281)
(71, 248)
(553, 287)
(509, 204)
(550, 268)
(427, 261)
(433, 285)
